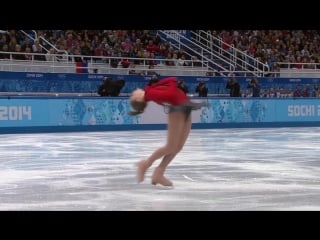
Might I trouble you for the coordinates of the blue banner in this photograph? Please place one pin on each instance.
(85, 111)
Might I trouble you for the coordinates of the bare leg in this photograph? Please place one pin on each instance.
(181, 139)
(176, 125)
(143, 165)
(158, 175)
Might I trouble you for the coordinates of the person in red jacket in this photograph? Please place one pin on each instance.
(167, 93)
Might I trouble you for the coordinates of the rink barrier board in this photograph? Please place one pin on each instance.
(23, 114)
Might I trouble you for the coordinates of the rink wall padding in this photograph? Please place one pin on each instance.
(23, 114)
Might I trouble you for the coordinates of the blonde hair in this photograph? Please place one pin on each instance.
(138, 107)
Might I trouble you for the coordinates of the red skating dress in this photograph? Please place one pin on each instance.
(165, 91)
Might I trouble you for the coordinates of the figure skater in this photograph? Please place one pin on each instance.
(165, 92)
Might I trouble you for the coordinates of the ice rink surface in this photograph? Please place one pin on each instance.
(218, 170)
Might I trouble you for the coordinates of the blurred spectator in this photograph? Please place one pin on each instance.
(28, 56)
(18, 54)
(125, 63)
(307, 92)
(5, 49)
(169, 60)
(152, 48)
(26, 43)
(50, 55)
(182, 61)
(315, 92)
(196, 62)
(132, 70)
(202, 89)
(298, 91)
(100, 51)
(183, 86)
(234, 87)
(110, 87)
(149, 72)
(37, 49)
(77, 58)
(255, 86)
(12, 44)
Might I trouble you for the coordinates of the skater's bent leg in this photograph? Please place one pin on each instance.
(141, 170)
(143, 165)
(181, 139)
(177, 140)
(174, 129)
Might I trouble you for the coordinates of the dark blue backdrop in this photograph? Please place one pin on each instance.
(88, 83)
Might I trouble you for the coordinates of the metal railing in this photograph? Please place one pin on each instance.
(239, 59)
(58, 51)
(197, 50)
(64, 63)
